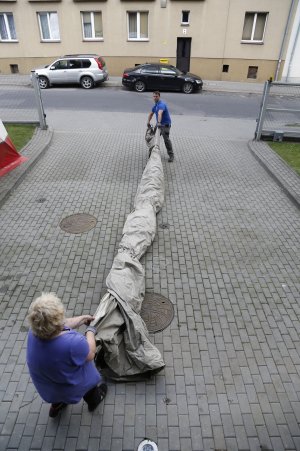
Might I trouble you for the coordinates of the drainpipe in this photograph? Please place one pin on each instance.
(293, 51)
(283, 40)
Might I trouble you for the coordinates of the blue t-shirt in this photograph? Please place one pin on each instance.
(59, 369)
(160, 105)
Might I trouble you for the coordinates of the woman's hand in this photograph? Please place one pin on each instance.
(78, 321)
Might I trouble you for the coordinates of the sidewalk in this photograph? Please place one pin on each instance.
(227, 260)
(209, 85)
(226, 254)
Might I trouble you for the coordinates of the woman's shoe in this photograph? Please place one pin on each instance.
(56, 408)
(100, 394)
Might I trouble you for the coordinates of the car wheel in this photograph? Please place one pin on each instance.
(187, 87)
(44, 82)
(87, 82)
(139, 86)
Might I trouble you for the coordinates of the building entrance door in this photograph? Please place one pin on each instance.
(183, 54)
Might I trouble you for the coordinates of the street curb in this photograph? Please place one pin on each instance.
(113, 84)
(33, 150)
(277, 168)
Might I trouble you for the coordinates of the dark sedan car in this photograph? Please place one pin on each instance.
(160, 76)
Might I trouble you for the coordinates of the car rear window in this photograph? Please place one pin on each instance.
(85, 63)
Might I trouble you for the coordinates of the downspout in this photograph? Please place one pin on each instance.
(293, 52)
(225, 37)
(283, 41)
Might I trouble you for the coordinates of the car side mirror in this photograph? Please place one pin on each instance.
(52, 68)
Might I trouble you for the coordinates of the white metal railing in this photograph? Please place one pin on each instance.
(279, 111)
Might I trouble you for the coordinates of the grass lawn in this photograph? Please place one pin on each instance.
(20, 134)
(289, 152)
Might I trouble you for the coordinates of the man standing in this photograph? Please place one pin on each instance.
(163, 122)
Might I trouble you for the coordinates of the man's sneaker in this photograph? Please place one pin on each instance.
(171, 158)
(56, 408)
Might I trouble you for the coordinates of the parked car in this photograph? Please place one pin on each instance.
(86, 70)
(160, 76)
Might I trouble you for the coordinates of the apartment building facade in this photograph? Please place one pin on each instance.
(235, 40)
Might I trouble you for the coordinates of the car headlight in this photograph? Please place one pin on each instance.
(198, 82)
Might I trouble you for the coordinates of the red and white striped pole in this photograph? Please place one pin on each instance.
(9, 157)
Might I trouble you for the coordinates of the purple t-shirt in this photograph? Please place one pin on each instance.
(59, 369)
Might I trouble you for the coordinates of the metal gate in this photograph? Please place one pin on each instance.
(21, 101)
(279, 114)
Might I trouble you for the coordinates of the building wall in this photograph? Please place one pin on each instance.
(215, 28)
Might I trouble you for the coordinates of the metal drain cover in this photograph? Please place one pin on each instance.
(157, 312)
(78, 223)
(147, 445)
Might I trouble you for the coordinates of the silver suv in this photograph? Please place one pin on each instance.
(86, 70)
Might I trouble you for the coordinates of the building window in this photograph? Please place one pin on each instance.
(92, 25)
(138, 26)
(185, 18)
(7, 27)
(49, 28)
(225, 68)
(14, 68)
(252, 72)
(254, 27)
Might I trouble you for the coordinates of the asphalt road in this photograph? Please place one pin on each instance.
(123, 100)
(102, 99)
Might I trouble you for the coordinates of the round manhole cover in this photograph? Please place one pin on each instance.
(147, 445)
(157, 312)
(78, 223)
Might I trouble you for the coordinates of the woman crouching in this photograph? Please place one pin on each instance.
(61, 360)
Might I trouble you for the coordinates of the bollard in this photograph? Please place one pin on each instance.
(39, 103)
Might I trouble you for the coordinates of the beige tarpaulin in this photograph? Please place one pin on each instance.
(124, 350)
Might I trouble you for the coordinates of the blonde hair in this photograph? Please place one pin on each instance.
(46, 316)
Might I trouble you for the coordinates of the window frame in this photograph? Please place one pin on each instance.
(92, 16)
(49, 26)
(251, 40)
(8, 30)
(185, 11)
(138, 26)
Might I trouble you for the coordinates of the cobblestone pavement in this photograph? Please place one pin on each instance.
(288, 179)
(229, 261)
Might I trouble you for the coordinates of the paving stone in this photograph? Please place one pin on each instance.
(174, 442)
(228, 263)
